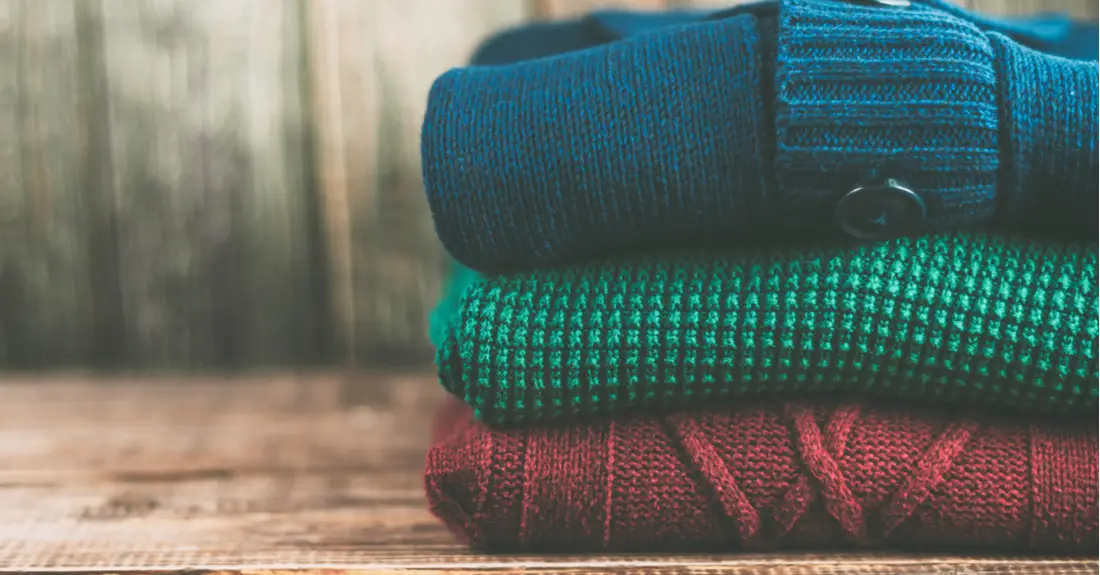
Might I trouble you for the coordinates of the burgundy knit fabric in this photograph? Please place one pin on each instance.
(766, 476)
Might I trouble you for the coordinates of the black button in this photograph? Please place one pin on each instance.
(880, 211)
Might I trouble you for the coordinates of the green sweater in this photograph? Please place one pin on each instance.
(966, 318)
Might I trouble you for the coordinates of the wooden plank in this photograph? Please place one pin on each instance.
(373, 63)
(44, 308)
(198, 128)
(330, 70)
(286, 472)
(572, 8)
(808, 566)
(1078, 8)
(152, 209)
(151, 206)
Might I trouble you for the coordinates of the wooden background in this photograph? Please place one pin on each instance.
(217, 184)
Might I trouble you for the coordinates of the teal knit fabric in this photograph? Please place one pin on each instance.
(963, 318)
(459, 277)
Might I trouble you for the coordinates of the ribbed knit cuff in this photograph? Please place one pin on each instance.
(1049, 137)
(868, 91)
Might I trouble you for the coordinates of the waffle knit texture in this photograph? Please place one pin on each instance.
(767, 476)
(957, 317)
(753, 122)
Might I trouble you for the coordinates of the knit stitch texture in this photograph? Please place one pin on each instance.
(963, 318)
(766, 476)
(752, 123)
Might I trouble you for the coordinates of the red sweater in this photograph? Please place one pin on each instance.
(767, 476)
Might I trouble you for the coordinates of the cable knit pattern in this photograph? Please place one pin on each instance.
(866, 92)
(950, 318)
(766, 476)
(751, 123)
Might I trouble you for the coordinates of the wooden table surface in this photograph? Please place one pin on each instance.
(280, 473)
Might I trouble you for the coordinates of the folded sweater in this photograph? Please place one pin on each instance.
(765, 476)
(756, 121)
(957, 317)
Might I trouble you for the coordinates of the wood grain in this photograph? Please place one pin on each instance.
(372, 66)
(205, 139)
(154, 206)
(282, 472)
(1078, 8)
(44, 226)
(572, 8)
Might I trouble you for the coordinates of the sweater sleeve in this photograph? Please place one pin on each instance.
(648, 140)
(1049, 137)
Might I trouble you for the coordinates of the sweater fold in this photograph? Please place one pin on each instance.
(1051, 164)
(621, 132)
(953, 318)
(528, 162)
(764, 476)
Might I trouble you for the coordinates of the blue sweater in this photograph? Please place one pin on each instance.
(626, 131)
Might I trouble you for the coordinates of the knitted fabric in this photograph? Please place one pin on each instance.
(754, 122)
(960, 317)
(769, 476)
(458, 279)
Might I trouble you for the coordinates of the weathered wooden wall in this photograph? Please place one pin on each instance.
(231, 183)
(372, 65)
(156, 190)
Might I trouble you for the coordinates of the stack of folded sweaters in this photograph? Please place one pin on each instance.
(793, 274)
